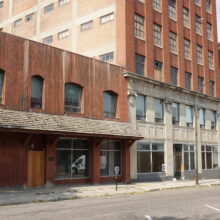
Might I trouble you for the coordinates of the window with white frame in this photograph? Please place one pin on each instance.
(86, 26)
(189, 116)
(157, 34)
(48, 40)
(18, 22)
(29, 17)
(107, 57)
(200, 83)
(186, 17)
(159, 110)
(209, 30)
(210, 59)
(173, 40)
(187, 49)
(202, 118)
(213, 119)
(209, 157)
(174, 75)
(211, 88)
(139, 26)
(198, 24)
(140, 107)
(139, 64)
(172, 9)
(63, 2)
(175, 113)
(208, 5)
(199, 54)
(150, 157)
(63, 34)
(189, 157)
(49, 8)
(107, 18)
(156, 4)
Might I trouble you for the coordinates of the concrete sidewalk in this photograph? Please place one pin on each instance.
(22, 196)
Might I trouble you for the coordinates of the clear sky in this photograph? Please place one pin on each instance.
(218, 18)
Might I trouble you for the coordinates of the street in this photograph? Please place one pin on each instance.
(194, 203)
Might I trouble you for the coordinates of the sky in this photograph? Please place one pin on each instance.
(218, 18)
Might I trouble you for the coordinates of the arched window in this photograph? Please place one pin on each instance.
(73, 94)
(36, 91)
(2, 76)
(110, 102)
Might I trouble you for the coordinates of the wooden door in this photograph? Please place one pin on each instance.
(35, 168)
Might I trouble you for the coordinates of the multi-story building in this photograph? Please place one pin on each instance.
(169, 50)
(167, 40)
(62, 119)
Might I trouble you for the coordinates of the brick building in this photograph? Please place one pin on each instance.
(64, 119)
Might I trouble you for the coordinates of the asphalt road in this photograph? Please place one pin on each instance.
(181, 204)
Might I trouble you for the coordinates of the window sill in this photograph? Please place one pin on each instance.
(160, 46)
(189, 59)
(158, 10)
(37, 110)
(211, 68)
(173, 19)
(200, 34)
(188, 27)
(139, 38)
(175, 53)
(73, 113)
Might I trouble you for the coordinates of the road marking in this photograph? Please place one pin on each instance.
(211, 207)
(147, 217)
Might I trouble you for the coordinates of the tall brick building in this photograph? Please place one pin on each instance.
(167, 40)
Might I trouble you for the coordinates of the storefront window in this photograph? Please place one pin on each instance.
(189, 157)
(209, 157)
(110, 156)
(72, 158)
(150, 157)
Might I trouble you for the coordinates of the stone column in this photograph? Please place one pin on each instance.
(168, 148)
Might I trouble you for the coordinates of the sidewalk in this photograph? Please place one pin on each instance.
(21, 196)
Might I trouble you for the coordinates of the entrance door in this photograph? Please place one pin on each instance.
(178, 164)
(35, 168)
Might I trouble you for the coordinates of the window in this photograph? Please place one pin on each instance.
(202, 118)
(213, 119)
(198, 24)
(156, 5)
(110, 156)
(174, 72)
(186, 17)
(110, 102)
(72, 158)
(158, 65)
(158, 107)
(140, 107)
(150, 157)
(175, 113)
(157, 34)
(189, 157)
(187, 80)
(86, 26)
(200, 84)
(199, 54)
(2, 77)
(36, 91)
(18, 22)
(210, 59)
(173, 37)
(139, 26)
(211, 88)
(209, 30)
(187, 49)
(172, 9)
(63, 2)
(49, 8)
(73, 96)
(63, 34)
(208, 5)
(197, 2)
(107, 57)
(139, 64)
(1, 4)
(29, 17)
(48, 40)
(209, 157)
(106, 18)
(189, 116)
(158, 70)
